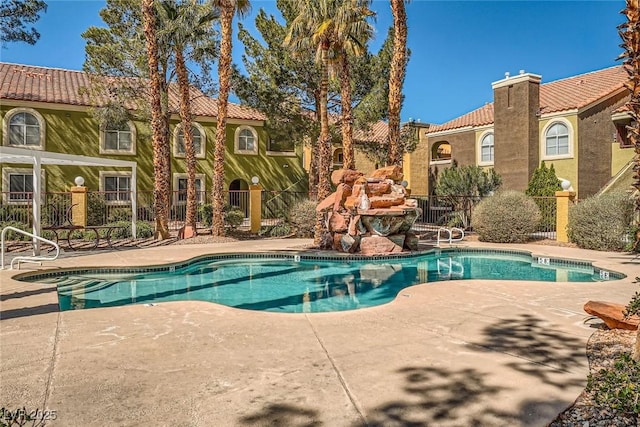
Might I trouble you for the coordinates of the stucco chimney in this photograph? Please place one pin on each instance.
(516, 133)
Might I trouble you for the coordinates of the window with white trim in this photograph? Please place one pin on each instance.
(557, 140)
(486, 149)
(17, 185)
(180, 188)
(24, 127)
(246, 140)
(116, 187)
(118, 139)
(198, 136)
(338, 159)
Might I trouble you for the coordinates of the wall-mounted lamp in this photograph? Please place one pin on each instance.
(286, 165)
(566, 185)
(79, 181)
(255, 180)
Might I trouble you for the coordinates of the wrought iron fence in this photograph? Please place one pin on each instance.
(276, 204)
(452, 211)
(548, 210)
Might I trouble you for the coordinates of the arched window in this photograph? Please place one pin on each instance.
(486, 149)
(118, 139)
(338, 158)
(24, 127)
(557, 140)
(246, 140)
(441, 151)
(198, 136)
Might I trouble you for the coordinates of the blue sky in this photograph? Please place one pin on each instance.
(458, 47)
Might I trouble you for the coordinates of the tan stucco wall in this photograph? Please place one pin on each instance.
(565, 168)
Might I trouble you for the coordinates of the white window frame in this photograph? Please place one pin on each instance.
(112, 174)
(41, 123)
(203, 141)
(334, 164)
(200, 196)
(236, 143)
(6, 173)
(543, 140)
(130, 152)
(481, 139)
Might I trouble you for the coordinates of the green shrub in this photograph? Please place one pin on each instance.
(617, 387)
(144, 230)
(601, 222)
(119, 214)
(233, 217)
(96, 209)
(280, 230)
(12, 235)
(545, 183)
(506, 217)
(302, 218)
(205, 212)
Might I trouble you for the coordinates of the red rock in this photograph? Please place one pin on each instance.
(327, 203)
(378, 188)
(389, 172)
(349, 243)
(353, 225)
(342, 192)
(386, 201)
(351, 202)
(345, 176)
(338, 222)
(377, 245)
(611, 314)
(398, 239)
(337, 245)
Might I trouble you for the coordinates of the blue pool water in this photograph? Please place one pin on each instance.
(286, 283)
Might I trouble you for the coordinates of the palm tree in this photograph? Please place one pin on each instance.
(226, 8)
(187, 23)
(160, 147)
(354, 43)
(630, 34)
(323, 25)
(396, 78)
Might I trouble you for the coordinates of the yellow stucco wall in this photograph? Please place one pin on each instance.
(619, 157)
(565, 168)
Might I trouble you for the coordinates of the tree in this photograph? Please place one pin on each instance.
(321, 25)
(396, 78)
(189, 24)
(543, 186)
(160, 149)
(462, 187)
(14, 17)
(379, 153)
(227, 9)
(630, 33)
(351, 42)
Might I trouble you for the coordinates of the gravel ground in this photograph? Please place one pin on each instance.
(602, 349)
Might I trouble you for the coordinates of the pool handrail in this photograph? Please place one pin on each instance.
(23, 258)
(450, 232)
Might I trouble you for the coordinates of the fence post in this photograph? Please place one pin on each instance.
(563, 198)
(79, 205)
(255, 207)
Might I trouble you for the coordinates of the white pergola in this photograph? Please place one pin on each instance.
(38, 158)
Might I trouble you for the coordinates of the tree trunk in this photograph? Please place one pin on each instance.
(159, 148)
(396, 78)
(190, 155)
(349, 161)
(224, 73)
(324, 144)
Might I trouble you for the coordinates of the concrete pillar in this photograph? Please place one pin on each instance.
(563, 200)
(79, 205)
(255, 207)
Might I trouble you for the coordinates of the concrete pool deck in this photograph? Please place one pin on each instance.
(454, 353)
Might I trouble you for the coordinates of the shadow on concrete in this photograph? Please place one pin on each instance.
(284, 415)
(540, 351)
(28, 311)
(438, 396)
(24, 294)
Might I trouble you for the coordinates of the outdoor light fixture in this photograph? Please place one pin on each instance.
(566, 185)
(79, 181)
(255, 180)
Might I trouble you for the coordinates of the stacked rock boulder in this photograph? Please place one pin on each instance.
(370, 215)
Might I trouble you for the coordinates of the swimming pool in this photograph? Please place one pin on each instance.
(299, 283)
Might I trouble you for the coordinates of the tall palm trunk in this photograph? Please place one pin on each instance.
(324, 143)
(347, 119)
(224, 73)
(630, 34)
(396, 77)
(160, 149)
(189, 149)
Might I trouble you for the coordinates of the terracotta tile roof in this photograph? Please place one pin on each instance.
(560, 95)
(58, 86)
(378, 132)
